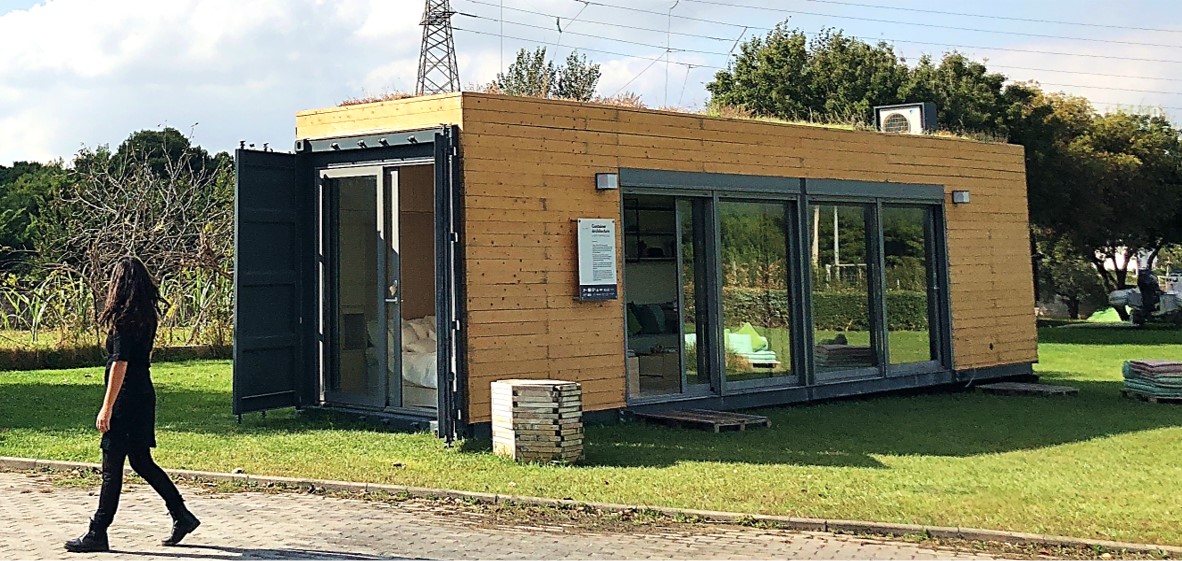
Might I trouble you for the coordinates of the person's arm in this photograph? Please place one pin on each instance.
(118, 370)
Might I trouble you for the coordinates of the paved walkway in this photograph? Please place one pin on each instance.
(36, 517)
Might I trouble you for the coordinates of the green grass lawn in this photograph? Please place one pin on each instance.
(1095, 465)
(52, 338)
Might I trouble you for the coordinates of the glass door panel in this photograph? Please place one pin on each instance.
(756, 302)
(391, 289)
(662, 239)
(691, 215)
(844, 319)
(354, 284)
(907, 249)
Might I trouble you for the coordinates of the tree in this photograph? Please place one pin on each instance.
(577, 79)
(23, 187)
(164, 147)
(785, 75)
(1046, 125)
(532, 74)
(968, 96)
(20, 204)
(162, 206)
(1135, 163)
(1066, 273)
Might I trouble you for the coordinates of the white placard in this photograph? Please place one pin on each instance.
(597, 259)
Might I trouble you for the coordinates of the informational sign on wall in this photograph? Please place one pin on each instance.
(597, 259)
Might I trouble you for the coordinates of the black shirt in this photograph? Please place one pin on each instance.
(133, 418)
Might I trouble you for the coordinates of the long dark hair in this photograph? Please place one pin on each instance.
(133, 299)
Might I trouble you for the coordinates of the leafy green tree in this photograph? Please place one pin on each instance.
(1135, 164)
(532, 74)
(786, 75)
(969, 97)
(1066, 273)
(23, 188)
(1046, 125)
(165, 147)
(577, 79)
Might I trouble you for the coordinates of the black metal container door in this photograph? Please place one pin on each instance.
(448, 295)
(269, 366)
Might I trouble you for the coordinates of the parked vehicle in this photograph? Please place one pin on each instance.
(1148, 301)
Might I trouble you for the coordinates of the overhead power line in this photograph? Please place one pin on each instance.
(1108, 88)
(663, 48)
(614, 24)
(689, 66)
(932, 25)
(675, 16)
(1122, 104)
(867, 39)
(890, 40)
(1125, 76)
(986, 16)
(588, 49)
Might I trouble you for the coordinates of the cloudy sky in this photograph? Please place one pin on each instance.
(77, 73)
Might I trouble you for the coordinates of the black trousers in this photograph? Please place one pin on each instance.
(141, 461)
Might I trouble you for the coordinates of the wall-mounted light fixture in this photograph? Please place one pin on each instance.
(960, 197)
(606, 181)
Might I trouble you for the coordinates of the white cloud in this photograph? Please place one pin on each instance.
(79, 72)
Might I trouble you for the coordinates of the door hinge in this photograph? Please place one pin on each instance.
(455, 150)
(453, 237)
(455, 325)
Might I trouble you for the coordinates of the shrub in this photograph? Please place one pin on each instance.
(840, 311)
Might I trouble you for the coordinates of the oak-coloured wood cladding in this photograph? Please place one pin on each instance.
(528, 172)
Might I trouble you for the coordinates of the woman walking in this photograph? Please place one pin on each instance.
(127, 419)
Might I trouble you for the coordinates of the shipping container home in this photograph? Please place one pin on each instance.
(409, 253)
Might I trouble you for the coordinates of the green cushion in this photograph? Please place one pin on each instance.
(633, 323)
(758, 342)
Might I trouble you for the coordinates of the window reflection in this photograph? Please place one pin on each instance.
(842, 317)
(906, 248)
(756, 305)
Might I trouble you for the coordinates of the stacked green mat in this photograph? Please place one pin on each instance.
(1157, 378)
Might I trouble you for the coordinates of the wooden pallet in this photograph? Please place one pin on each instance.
(704, 419)
(1021, 388)
(1150, 398)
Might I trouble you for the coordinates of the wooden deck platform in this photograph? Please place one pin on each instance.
(1021, 388)
(1150, 398)
(704, 419)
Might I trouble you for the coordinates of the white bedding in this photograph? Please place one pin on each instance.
(419, 369)
(418, 351)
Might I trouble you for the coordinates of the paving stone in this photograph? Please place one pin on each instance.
(294, 525)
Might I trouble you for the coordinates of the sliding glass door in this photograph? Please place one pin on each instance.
(909, 254)
(844, 295)
(757, 307)
(664, 238)
(730, 292)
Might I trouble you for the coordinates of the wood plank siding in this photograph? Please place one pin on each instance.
(528, 171)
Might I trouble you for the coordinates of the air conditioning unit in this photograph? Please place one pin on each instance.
(906, 118)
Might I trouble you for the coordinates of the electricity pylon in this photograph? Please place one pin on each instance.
(438, 72)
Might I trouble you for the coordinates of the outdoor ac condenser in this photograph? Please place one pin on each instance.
(906, 118)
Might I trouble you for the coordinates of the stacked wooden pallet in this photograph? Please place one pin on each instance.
(537, 420)
(1160, 380)
(849, 356)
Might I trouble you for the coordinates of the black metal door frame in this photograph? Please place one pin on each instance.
(439, 145)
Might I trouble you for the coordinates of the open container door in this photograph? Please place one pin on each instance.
(448, 286)
(270, 368)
